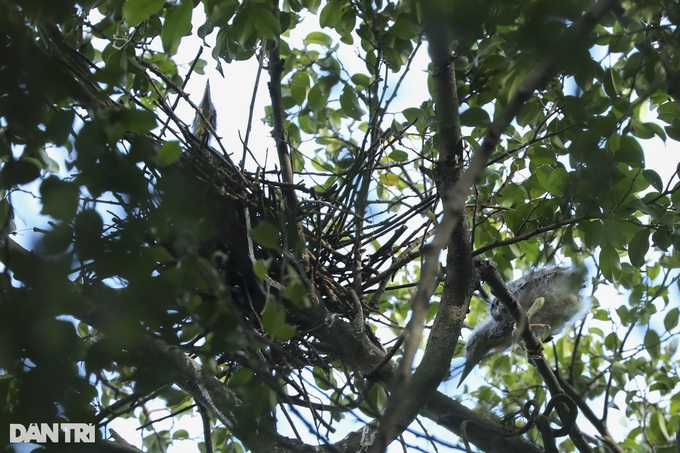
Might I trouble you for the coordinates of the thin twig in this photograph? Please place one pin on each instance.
(251, 109)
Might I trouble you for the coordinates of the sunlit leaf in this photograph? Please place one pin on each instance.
(318, 37)
(389, 179)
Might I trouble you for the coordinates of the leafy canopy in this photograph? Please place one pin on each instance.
(264, 291)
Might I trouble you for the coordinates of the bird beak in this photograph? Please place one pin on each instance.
(469, 366)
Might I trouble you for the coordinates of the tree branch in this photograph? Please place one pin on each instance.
(523, 237)
(409, 395)
(605, 435)
(355, 349)
(278, 117)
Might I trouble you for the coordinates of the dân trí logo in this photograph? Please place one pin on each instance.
(54, 432)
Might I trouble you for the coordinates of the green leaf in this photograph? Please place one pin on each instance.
(512, 195)
(652, 343)
(540, 155)
(404, 28)
(638, 247)
(169, 153)
(670, 261)
(556, 181)
(654, 179)
(529, 113)
(611, 342)
(137, 11)
(267, 235)
(274, 321)
(260, 268)
(180, 434)
(233, 447)
(350, 104)
(320, 38)
(317, 98)
(475, 117)
(307, 123)
(592, 232)
(377, 398)
(662, 239)
(6, 217)
(323, 379)
(60, 126)
(177, 25)
(361, 80)
(312, 5)
(296, 292)
(412, 114)
(60, 198)
(266, 23)
(613, 83)
(330, 14)
(389, 179)
(670, 322)
(141, 121)
(668, 112)
(299, 84)
(88, 229)
(298, 160)
(241, 376)
(630, 152)
(543, 173)
(517, 218)
(610, 263)
(49, 164)
(661, 423)
(673, 131)
(399, 155)
(242, 30)
(17, 172)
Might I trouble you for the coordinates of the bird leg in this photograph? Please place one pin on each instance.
(535, 308)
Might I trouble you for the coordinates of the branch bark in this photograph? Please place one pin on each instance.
(278, 117)
(410, 394)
